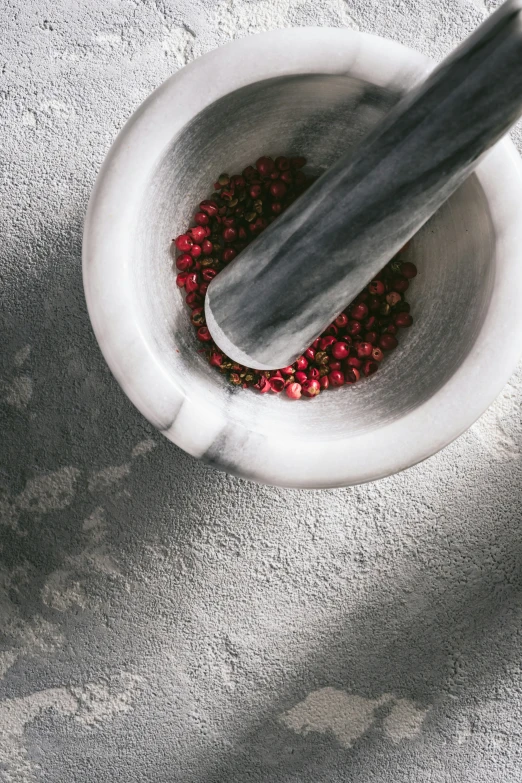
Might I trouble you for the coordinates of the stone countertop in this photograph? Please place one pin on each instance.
(159, 620)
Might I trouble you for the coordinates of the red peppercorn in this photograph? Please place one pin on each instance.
(277, 384)
(353, 361)
(208, 274)
(408, 270)
(184, 242)
(197, 233)
(287, 370)
(310, 354)
(192, 283)
(181, 279)
(359, 311)
(340, 350)
(195, 251)
(282, 163)
(198, 316)
(204, 334)
(301, 376)
(193, 300)
(316, 343)
(332, 329)
(324, 382)
(311, 388)
(207, 247)
(352, 375)
(373, 304)
(369, 367)
(393, 298)
(286, 176)
(265, 166)
(376, 287)
(276, 207)
(216, 358)
(336, 378)
(391, 329)
(313, 374)
(184, 262)
(403, 320)
(255, 191)
(326, 342)
(399, 284)
(335, 365)
(364, 349)
(230, 234)
(371, 337)
(228, 254)
(278, 190)
(209, 207)
(237, 181)
(297, 162)
(201, 219)
(377, 354)
(388, 342)
(354, 327)
(301, 362)
(203, 288)
(293, 390)
(341, 320)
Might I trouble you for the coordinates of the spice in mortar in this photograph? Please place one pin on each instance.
(352, 346)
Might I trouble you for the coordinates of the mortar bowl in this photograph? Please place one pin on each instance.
(312, 92)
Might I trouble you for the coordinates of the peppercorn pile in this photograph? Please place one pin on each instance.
(355, 343)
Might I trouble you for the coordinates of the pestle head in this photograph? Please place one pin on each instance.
(271, 302)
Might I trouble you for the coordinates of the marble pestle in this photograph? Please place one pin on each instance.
(271, 302)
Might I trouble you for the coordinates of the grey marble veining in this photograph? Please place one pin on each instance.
(285, 288)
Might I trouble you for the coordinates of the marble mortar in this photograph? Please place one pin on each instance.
(312, 91)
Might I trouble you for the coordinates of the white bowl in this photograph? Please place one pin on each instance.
(311, 91)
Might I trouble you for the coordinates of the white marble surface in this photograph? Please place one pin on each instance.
(470, 273)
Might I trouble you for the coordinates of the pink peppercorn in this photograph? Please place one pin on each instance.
(301, 362)
(376, 287)
(192, 283)
(326, 342)
(293, 390)
(364, 349)
(228, 254)
(301, 376)
(204, 334)
(313, 374)
(324, 382)
(336, 378)
(265, 166)
(184, 242)
(287, 370)
(354, 327)
(352, 375)
(229, 234)
(207, 247)
(310, 354)
(369, 367)
(340, 350)
(377, 354)
(403, 320)
(195, 251)
(341, 320)
(278, 191)
(201, 219)
(311, 388)
(408, 270)
(216, 359)
(277, 384)
(388, 342)
(181, 279)
(197, 233)
(359, 311)
(184, 262)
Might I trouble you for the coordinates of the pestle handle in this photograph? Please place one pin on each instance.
(271, 302)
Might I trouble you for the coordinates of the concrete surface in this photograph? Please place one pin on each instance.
(164, 622)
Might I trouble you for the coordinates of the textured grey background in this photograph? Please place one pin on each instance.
(164, 622)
